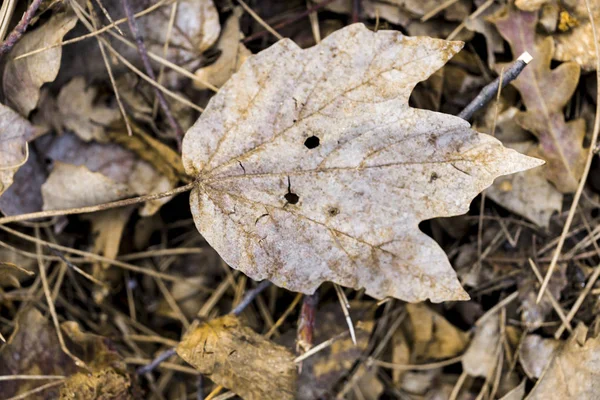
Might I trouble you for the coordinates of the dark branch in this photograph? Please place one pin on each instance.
(20, 29)
(491, 90)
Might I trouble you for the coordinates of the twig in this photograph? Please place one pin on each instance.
(436, 10)
(237, 310)
(586, 169)
(306, 323)
(415, 367)
(249, 297)
(156, 361)
(345, 307)
(490, 90)
(289, 21)
(259, 19)
(20, 29)
(99, 207)
(149, 71)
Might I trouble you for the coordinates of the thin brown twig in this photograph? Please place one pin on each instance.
(20, 29)
(98, 207)
(150, 72)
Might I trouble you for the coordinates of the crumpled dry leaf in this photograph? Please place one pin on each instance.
(233, 54)
(23, 78)
(536, 353)
(34, 349)
(574, 372)
(121, 173)
(433, 336)
(234, 356)
(481, 357)
(14, 133)
(70, 186)
(80, 114)
(577, 43)
(545, 93)
(527, 193)
(318, 169)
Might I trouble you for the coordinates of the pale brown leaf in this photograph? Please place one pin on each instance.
(234, 356)
(233, 54)
(527, 193)
(318, 170)
(23, 78)
(574, 373)
(14, 132)
(480, 359)
(536, 353)
(79, 113)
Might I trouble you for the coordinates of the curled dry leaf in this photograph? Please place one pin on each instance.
(79, 113)
(577, 43)
(318, 170)
(536, 353)
(234, 356)
(545, 93)
(433, 336)
(23, 78)
(14, 132)
(574, 372)
(233, 54)
(527, 193)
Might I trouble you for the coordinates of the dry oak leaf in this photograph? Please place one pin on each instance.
(545, 93)
(574, 372)
(317, 169)
(234, 356)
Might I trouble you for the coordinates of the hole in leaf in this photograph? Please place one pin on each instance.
(333, 211)
(292, 198)
(312, 142)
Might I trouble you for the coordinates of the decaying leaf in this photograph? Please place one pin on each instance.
(577, 43)
(536, 353)
(34, 349)
(14, 132)
(481, 357)
(433, 336)
(234, 356)
(120, 172)
(80, 114)
(574, 372)
(527, 193)
(70, 186)
(545, 93)
(23, 78)
(318, 170)
(233, 54)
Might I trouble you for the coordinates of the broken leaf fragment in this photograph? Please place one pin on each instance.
(14, 133)
(318, 170)
(234, 356)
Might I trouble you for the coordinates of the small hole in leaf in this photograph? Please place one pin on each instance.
(333, 211)
(292, 198)
(312, 142)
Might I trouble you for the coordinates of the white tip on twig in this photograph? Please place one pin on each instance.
(525, 57)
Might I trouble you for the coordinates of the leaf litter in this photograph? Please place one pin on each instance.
(329, 156)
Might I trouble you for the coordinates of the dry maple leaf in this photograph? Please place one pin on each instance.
(545, 93)
(311, 167)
